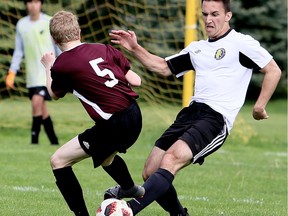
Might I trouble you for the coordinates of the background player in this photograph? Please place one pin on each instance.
(223, 66)
(100, 77)
(32, 41)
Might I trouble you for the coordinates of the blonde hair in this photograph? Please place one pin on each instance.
(64, 27)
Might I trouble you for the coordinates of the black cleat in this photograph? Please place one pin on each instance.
(185, 213)
(116, 192)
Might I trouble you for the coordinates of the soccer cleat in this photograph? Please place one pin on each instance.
(185, 213)
(116, 192)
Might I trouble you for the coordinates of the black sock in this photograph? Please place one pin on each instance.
(170, 202)
(118, 170)
(35, 130)
(71, 190)
(49, 129)
(155, 186)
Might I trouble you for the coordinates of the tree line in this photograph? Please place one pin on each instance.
(264, 20)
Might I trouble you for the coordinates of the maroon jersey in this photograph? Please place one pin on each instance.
(95, 73)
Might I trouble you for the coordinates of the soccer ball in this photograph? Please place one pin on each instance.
(114, 207)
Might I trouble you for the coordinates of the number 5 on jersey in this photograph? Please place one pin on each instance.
(102, 73)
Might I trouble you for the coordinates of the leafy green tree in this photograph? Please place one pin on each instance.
(266, 21)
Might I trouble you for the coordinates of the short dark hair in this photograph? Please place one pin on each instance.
(25, 1)
(226, 3)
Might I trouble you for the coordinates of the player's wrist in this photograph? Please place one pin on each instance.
(10, 78)
(12, 72)
(137, 48)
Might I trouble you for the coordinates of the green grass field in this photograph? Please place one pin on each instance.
(247, 176)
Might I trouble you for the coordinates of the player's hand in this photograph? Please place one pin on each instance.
(259, 113)
(10, 78)
(127, 39)
(48, 59)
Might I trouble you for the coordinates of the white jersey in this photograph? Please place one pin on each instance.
(32, 41)
(223, 70)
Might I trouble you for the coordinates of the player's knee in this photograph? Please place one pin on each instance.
(173, 162)
(144, 176)
(146, 173)
(108, 161)
(55, 162)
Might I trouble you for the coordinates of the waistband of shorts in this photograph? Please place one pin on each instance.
(119, 113)
(131, 106)
(199, 105)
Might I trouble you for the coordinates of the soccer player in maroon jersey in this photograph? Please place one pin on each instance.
(100, 77)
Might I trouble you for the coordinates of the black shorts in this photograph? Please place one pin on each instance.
(202, 128)
(116, 134)
(40, 90)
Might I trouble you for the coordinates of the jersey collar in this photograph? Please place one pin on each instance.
(224, 35)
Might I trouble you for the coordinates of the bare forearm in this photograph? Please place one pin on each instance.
(151, 62)
(269, 84)
(47, 61)
(49, 82)
(128, 40)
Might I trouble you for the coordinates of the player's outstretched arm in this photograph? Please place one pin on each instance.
(128, 40)
(271, 78)
(47, 60)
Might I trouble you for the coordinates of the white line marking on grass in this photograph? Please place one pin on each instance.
(222, 151)
(26, 188)
(33, 189)
(206, 199)
(277, 154)
(237, 200)
(249, 201)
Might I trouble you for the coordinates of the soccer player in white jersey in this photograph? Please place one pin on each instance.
(223, 64)
(32, 41)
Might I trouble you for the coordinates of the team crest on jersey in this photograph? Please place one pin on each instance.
(220, 53)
